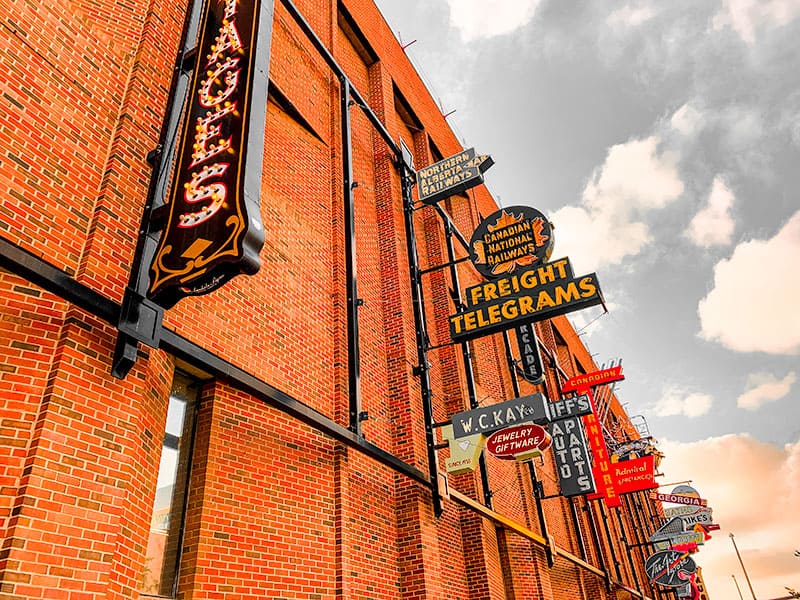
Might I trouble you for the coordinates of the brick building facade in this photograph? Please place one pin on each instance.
(262, 450)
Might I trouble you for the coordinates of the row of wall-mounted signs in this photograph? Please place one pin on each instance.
(685, 528)
(525, 427)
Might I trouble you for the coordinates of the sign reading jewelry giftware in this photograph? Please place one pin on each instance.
(214, 231)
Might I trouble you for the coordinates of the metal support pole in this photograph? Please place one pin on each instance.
(587, 507)
(466, 355)
(607, 529)
(738, 589)
(353, 302)
(741, 562)
(537, 494)
(423, 368)
(624, 539)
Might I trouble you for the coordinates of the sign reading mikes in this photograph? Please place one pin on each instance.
(214, 230)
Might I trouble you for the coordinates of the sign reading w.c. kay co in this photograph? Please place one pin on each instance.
(214, 230)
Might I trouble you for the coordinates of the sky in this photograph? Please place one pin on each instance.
(662, 139)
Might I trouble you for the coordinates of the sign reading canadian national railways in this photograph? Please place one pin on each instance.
(452, 175)
(510, 239)
(214, 230)
(535, 294)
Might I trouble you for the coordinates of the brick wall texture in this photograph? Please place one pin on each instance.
(275, 509)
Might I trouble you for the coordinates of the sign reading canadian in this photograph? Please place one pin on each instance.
(214, 230)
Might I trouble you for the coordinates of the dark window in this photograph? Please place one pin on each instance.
(163, 549)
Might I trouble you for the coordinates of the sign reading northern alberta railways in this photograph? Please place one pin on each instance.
(214, 230)
(534, 294)
(510, 239)
(452, 175)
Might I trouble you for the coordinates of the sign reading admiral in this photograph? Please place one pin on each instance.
(214, 230)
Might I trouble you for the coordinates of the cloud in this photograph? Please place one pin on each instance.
(634, 181)
(754, 489)
(477, 19)
(713, 225)
(687, 120)
(746, 17)
(753, 304)
(763, 388)
(677, 401)
(631, 16)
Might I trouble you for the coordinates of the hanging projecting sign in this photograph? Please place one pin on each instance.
(634, 475)
(680, 539)
(679, 499)
(572, 457)
(214, 230)
(528, 409)
(530, 358)
(510, 240)
(452, 175)
(670, 568)
(601, 469)
(531, 295)
(519, 442)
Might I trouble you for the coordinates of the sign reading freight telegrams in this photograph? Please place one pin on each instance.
(534, 294)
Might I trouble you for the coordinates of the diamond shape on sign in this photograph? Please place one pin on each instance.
(464, 445)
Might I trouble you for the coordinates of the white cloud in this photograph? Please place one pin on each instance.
(753, 305)
(763, 388)
(609, 225)
(754, 490)
(487, 18)
(713, 225)
(687, 120)
(746, 17)
(631, 16)
(676, 401)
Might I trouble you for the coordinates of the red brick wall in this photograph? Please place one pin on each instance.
(276, 509)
